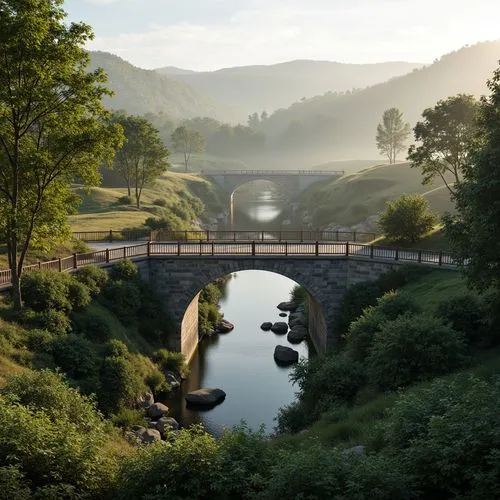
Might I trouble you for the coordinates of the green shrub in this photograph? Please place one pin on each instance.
(13, 483)
(116, 348)
(55, 438)
(407, 218)
(160, 202)
(54, 321)
(208, 316)
(40, 340)
(211, 294)
(75, 355)
(317, 472)
(93, 326)
(124, 270)
(412, 348)
(78, 294)
(299, 295)
(44, 290)
(361, 332)
(120, 384)
(124, 298)
(187, 467)
(157, 382)
(125, 200)
(93, 277)
(170, 361)
(127, 417)
(448, 437)
(465, 314)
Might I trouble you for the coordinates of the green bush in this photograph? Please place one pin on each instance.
(211, 294)
(93, 277)
(13, 484)
(39, 340)
(55, 322)
(124, 298)
(407, 218)
(157, 382)
(465, 314)
(160, 202)
(78, 295)
(93, 326)
(125, 200)
(448, 437)
(170, 361)
(413, 348)
(120, 384)
(116, 348)
(127, 417)
(361, 332)
(124, 270)
(208, 316)
(317, 472)
(43, 290)
(54, 437)
(76, 356)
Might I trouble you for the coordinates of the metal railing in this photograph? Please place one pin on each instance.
(204, 248)
(332, 173)
(113, 235)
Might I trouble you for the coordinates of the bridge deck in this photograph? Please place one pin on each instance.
(269, 249)
(326, 173)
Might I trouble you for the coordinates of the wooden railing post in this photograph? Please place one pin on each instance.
(440, 257)
(75, 261)
(60, 265)
(347, 248)
(419, 256)
(213, 248)
(149, 249)
(396, 256)
(316, 248)
(40, 265)
(124, 252)
(286, 247)
(110, 235)
(253, 247)
(178, 248)
(371, 251)
(107, 254)
(201, 252)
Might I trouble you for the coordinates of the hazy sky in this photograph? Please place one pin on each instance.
(211, 34)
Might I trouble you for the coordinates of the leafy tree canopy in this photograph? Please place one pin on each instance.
(392, 134)
(187, 142)
(446, 136)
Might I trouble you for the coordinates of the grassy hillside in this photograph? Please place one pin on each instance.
(100, 209)
(140, 91)
(257, 88)
(352, 198)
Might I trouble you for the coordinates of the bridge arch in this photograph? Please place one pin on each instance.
(189, 322)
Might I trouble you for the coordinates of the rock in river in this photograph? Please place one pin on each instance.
(285, 355)
(287, 306)
(280, 328)
(297, 334)
(224, 327)
(283, 315)
(205, 397)
(157, 410)
(266, 326)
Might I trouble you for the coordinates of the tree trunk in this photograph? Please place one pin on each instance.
(14, 275)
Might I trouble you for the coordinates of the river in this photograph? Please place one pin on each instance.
(241, 362)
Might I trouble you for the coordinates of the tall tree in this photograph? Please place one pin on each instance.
(447, 135)
(392, 134)
(187, 142)
(53, 127)
(142, 158)
(474, 229)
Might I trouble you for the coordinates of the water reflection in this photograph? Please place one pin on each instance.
(241, 362)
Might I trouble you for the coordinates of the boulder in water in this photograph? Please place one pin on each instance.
(205, 397)
(287, 306)
(224, 327)
(266, 326)
(280, 328)
(297, 334)
(285, 355)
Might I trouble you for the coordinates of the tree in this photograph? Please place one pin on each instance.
(187, 142)
(143, 157)
(407, 218)
(53, 127)
(392, 134)
(446, 136)
(253, 121)
(473, 230)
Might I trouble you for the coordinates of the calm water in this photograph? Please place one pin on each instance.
(241, 362)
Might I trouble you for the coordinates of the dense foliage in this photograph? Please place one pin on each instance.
(407, 218)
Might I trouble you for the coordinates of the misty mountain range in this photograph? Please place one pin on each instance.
(317, 117)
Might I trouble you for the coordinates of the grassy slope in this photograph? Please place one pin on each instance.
(359, 422)
(353, 197)
(99, 209)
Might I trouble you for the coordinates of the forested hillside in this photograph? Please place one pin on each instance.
(259, 88)
(343, 125)
(140, 91)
